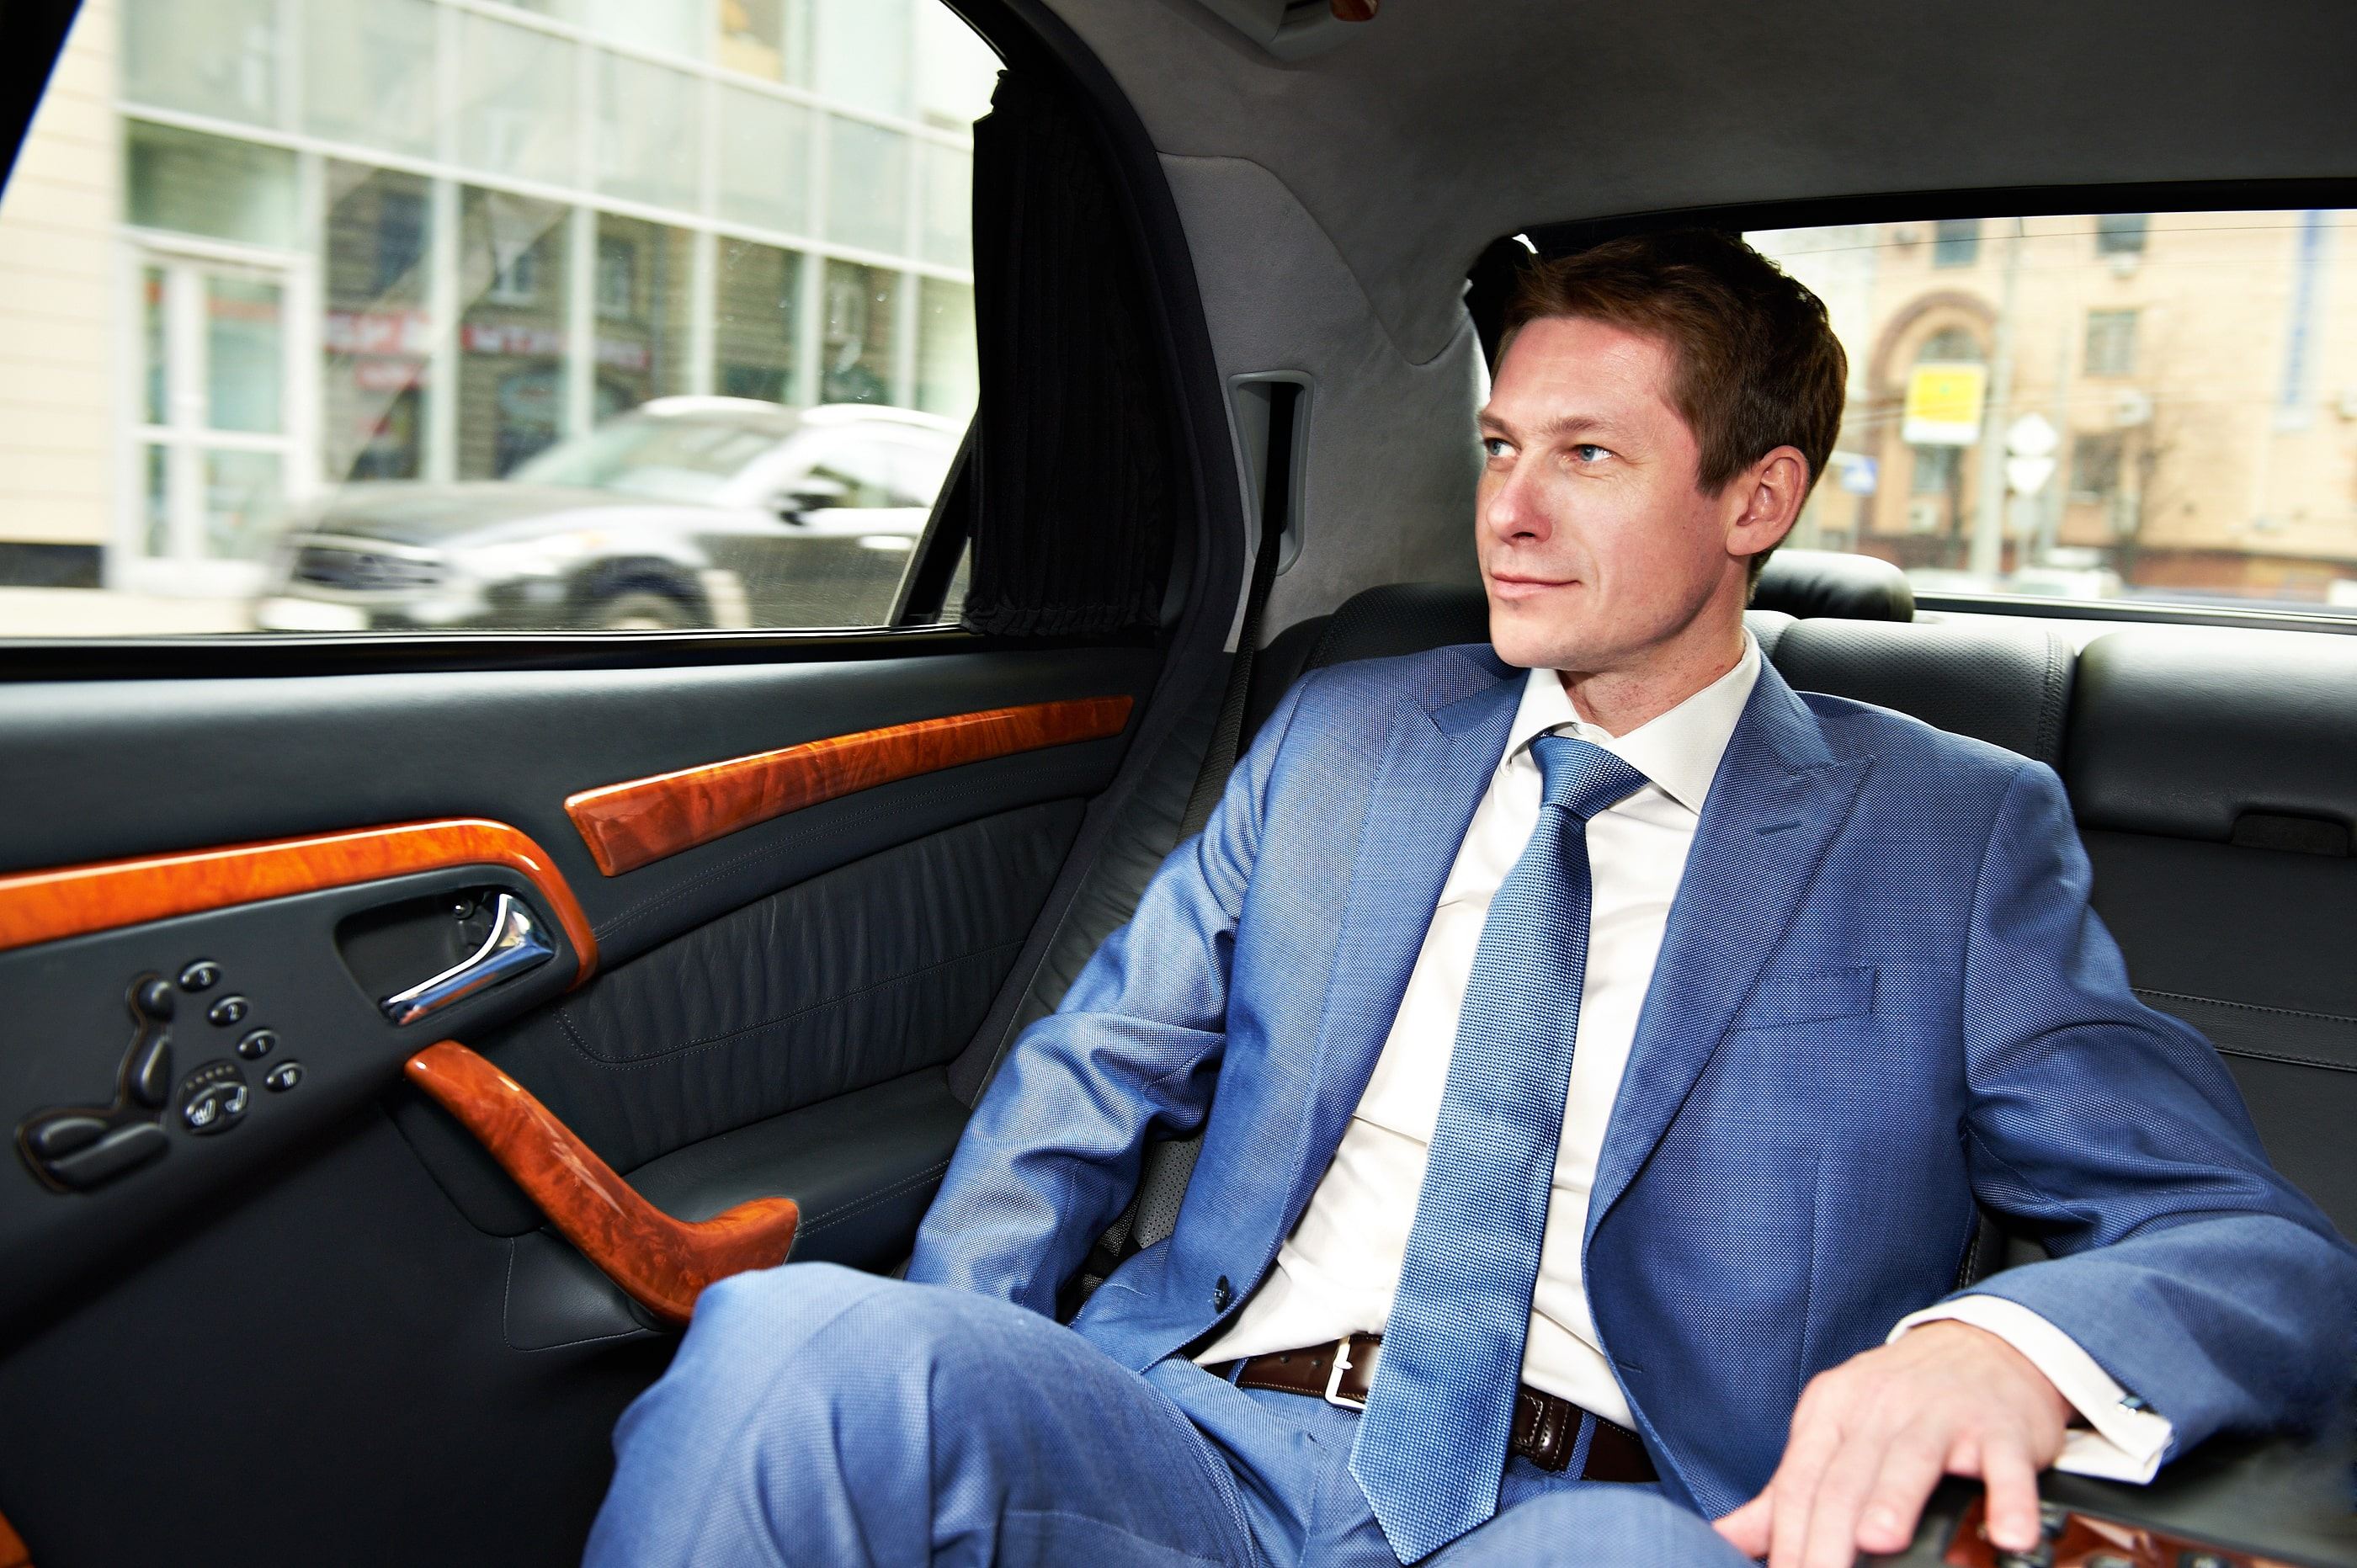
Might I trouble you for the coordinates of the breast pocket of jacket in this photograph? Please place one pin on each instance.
(1814, 998)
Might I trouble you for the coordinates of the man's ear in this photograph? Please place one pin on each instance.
(1767, 498)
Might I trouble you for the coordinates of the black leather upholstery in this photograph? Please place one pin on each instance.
(2188, 755)
(2005, 682)
(1807, 583)
(2184, 735)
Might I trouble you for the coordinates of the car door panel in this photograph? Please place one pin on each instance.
(342, 1276)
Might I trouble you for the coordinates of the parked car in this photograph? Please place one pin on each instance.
(686, 511)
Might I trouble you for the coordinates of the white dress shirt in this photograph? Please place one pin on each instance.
(1336, 1272)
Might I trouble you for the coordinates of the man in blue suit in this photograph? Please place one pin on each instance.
(1600, 1049)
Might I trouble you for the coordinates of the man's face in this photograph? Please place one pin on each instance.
(1597, 547)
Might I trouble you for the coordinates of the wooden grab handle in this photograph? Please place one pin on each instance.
(660, 1262)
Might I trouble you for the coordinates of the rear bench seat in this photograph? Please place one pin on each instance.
(2214, 776)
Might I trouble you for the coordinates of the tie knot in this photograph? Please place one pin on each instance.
(1583, 778)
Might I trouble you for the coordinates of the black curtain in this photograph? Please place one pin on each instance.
(1069, 487)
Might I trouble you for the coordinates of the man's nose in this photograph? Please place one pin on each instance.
(1511, 510)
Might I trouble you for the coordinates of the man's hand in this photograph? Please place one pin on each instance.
(1873, 1436)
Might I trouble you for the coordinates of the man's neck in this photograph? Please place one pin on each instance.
(1619, 701)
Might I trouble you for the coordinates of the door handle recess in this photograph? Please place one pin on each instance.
(660, 1262)
(514, 945)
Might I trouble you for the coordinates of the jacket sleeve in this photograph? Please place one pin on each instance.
(1052, 1153)
(2208, 1286)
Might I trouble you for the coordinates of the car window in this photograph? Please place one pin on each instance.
(2154, 408)
(455, 315)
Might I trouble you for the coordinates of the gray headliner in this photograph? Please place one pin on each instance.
(1332, 205)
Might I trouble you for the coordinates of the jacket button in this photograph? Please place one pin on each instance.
(1221, 1294)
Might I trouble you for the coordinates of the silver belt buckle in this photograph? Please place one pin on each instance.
(1334, 1394)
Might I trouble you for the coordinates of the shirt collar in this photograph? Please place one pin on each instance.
(1678, 750)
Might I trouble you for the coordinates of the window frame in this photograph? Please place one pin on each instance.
(1208, 568)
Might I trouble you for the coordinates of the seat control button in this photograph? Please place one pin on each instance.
(149, 1074)
(154, 997)
(283, 1077)
(61, 1136)
(125, 1149)
(229, 1010)
(213, 1098)
(202, 974)
(258, 1044)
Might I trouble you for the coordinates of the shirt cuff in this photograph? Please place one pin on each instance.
(2121, 1440)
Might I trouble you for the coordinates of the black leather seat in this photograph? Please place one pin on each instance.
(2002, 682)
(2216, 782)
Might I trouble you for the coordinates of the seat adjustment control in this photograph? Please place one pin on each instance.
(226, 1012)
(257, 1044)
(282, 1077)
(126, 1148)
(199, 974)
(147, 1075)
(213, 1098)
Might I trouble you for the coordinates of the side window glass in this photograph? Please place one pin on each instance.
(2140, 407)
(431, 316)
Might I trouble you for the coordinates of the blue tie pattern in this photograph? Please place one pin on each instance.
(1431, 1449)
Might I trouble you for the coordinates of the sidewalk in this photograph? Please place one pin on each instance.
(99, 612)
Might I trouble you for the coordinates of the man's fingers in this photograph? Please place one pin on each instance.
(2011, 1480)
(1910, 1468)
(1816, 1436)
(1841, 1493)
(1746, 1529)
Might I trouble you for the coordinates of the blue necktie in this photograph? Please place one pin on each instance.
(1431, 1449)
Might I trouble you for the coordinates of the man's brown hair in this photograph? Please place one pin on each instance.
(1758, 366)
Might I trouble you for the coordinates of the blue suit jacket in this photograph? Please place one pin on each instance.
(1881, 995)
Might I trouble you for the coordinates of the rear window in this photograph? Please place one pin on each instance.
(2131, 407)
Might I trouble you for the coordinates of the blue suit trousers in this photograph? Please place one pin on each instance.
(817, 1415)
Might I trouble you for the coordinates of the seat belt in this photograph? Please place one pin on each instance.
(1153, 1210)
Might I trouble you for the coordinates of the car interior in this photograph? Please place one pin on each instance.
(401, 1027)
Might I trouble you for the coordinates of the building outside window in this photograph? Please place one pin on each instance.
(422, 241)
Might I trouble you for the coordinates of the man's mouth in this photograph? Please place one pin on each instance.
(1507, 586)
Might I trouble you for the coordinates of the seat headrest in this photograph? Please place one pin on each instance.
(1806, 583)
(2185, 733)
(2005, 682)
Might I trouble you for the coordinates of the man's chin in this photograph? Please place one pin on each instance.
(1527, 643)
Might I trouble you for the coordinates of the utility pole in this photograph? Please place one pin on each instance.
(1988, 521)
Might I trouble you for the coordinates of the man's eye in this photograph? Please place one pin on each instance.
(1495, 445)
(1589, 452)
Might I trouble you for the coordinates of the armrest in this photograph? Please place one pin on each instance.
(2247, 1502)
(660, 1262)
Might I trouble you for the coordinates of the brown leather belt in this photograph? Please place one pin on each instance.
(1546, 1426)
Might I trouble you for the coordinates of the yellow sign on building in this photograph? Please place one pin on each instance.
(1944, 405)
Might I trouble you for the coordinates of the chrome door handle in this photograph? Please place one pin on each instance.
(514, 946)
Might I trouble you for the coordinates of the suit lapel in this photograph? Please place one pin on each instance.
(1436, 769)
(1777, 801)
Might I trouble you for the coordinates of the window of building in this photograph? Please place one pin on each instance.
(2110, 343)
(428, 244)
(1955, 241)
(2095, 467)
(2122, 233)
(1934, 470)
